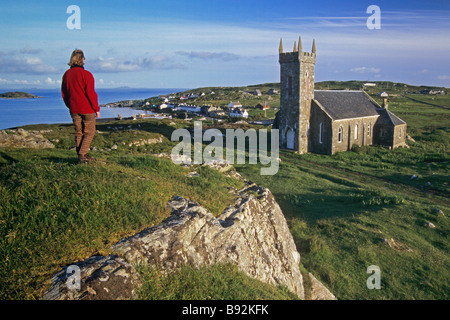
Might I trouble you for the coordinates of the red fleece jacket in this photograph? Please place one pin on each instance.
(78, 91)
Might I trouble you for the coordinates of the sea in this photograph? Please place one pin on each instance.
(51, 109)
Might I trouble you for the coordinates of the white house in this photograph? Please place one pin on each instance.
(189, 108)
(234, 105)
(238, 113)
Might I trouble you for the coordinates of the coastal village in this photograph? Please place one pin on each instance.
(186, 106)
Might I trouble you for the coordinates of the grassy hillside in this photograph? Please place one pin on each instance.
(343, 210)
(54, 212)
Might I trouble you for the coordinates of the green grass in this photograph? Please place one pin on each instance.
(54, 212)
(340, 208)
(218, 282)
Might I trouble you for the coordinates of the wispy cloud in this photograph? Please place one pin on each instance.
(19, 82)
(444, 77)
(30, 50)
(204, 55)
(13, 63)
(113, 65)
(365, 70)
(403, 18)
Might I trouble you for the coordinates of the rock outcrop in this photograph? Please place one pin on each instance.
(252, 234)
(21, 138)
(318, 291)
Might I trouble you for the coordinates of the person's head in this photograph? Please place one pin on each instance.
(77, 58)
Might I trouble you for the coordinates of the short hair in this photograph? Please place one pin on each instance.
(76, 59)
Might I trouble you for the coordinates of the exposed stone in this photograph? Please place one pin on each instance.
(318, 290)
(101, 278)
(143, 142)
(437, 211)
(429, 225)
(192, 174)
(396, 245)
(221, 166)
(408, 137)
(21, 138)
(251, 234)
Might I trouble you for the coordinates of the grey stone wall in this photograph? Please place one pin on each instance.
(297, 77)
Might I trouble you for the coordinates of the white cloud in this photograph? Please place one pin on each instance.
(365, 70)
(51, 81)
(112, 64)
(11, 63)
(30, 50)
(444, 77)
(204, 55)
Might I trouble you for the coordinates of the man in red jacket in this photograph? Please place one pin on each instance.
(78, 93)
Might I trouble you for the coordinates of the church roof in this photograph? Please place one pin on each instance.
(346, 104)
(388, 118)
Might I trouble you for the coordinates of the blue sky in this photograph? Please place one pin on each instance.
(196, 43)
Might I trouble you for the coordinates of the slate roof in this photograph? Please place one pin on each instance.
(388, 118)
(346, 104)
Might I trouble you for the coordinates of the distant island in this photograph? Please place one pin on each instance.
(18, 95)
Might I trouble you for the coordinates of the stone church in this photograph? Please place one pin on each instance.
(328, 121)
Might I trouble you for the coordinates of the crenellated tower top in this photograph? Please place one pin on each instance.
(297, 52)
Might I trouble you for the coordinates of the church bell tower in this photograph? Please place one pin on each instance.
(296, 92)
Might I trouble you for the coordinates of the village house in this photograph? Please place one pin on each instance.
(238, 113)
(234, 105)
(189, 108)
(262, 106)
(217, 114)
(432, 92)
(206, 109)
(328, 121)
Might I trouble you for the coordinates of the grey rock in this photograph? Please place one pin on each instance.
(429, 225)
(251, 234)
(101, 278)
(318, 290)
(437, 211)
(21, 138)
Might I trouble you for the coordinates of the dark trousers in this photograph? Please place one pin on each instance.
(84, 131)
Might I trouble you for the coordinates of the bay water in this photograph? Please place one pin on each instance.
(51, 108)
